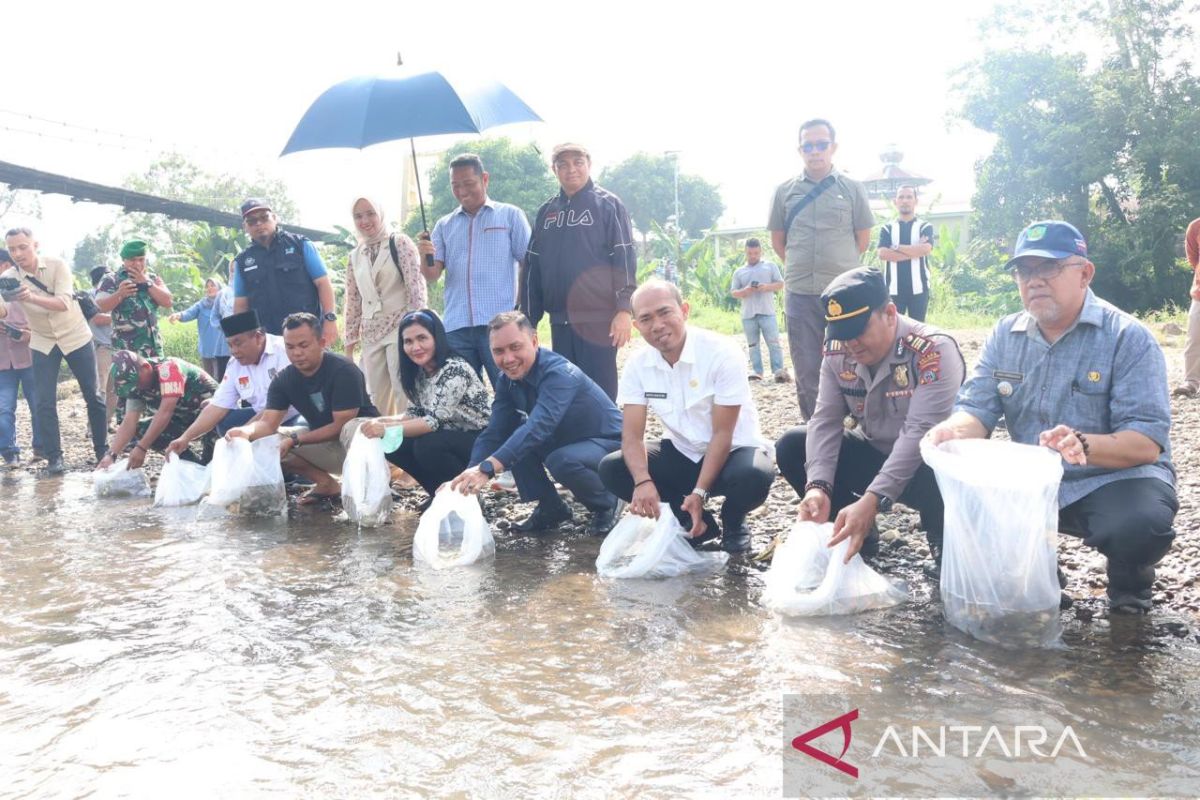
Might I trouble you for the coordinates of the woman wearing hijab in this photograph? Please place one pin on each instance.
(383, 283)
(207, 311)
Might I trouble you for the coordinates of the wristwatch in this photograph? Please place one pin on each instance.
(698, 491)
(329, 316)
(295, 437)
(883, 503)
(487, 468)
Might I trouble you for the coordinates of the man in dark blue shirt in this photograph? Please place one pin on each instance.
(281, 273)
(547, 415)
(581, 269)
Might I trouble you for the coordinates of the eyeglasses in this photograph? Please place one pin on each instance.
(258, 219)
(1046, 270)
(820, 146)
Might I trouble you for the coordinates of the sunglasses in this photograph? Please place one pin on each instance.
(257, 219)
(820, 146)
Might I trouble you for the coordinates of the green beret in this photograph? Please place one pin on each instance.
(134, 248)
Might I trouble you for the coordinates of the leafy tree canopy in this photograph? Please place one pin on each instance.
(646, 184)
(1107, 143)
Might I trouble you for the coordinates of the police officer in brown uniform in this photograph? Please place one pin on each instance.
(885, 380)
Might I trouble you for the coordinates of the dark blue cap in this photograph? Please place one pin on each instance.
(254, 204)
(1049, 238)
(850, 298)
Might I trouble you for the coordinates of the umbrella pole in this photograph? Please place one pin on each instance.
(420, 200)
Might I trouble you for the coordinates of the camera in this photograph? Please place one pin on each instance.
(143, 286)
(753, 284)
(9, 288)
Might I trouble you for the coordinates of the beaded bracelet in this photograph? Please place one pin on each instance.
(824, 486)
(1083, 442)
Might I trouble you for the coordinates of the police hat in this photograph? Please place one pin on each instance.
(1050, 238)
(849, 300)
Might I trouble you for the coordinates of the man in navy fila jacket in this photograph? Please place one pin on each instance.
(581, 269)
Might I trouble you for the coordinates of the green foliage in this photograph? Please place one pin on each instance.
(646, 185)
(1108, 145)
(184, 253)
(517, 174)
(181, 340)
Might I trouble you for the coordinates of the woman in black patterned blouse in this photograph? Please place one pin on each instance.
(447, 404)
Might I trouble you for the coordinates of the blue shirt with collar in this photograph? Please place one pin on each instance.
(554, 405)
(481, 253)
(1104, 375)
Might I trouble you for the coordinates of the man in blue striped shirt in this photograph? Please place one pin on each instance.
(480, 246)
(1076, 374)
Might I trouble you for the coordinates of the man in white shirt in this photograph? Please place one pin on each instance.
(257, 357)
(696, 383)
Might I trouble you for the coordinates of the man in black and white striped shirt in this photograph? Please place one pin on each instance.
(904, 246)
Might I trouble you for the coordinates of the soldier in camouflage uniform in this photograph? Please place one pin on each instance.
(133, 296)
(885, 380)
(163, 397)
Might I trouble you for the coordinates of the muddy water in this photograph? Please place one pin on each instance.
(145, 654)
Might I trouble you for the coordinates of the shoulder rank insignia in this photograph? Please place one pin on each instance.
(833, 347)
(915, 342)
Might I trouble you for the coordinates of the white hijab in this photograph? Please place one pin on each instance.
(362, 264)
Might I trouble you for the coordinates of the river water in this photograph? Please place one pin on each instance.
(145, 654)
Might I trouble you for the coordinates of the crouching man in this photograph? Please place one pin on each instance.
(1076, 374)
(329, 391)
(696, 383)
(547, 415)
(885, 381)
(163, 397)
(257, 357)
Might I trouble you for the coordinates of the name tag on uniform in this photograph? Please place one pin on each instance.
(656, 395)
(1001, 375)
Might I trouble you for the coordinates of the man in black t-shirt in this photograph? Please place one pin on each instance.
(329, 391)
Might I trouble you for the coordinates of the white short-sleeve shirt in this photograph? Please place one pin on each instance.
(710, 371)
(250, 383)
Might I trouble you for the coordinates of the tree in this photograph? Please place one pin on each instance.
(18, 201)
(646, 184)
(1108, 145)
(517, 174)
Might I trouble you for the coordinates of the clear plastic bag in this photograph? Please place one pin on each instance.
(640, 547)
(247, 478)
(999, 557)
(808, 578)
(452, 532)
(121, 481)
(181, 483)
(366, 482)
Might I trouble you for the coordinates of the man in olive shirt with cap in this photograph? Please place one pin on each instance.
(885, 380)
(132, 296)
(820, 224)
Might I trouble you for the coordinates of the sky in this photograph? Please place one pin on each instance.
(727, 85)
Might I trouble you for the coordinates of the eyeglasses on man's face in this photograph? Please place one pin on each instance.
(820, 146)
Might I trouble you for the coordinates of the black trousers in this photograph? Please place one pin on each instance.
(744, 480)
(434, 458)
(586, 345)
(913, 306)
(858, 464)
(82, 363)
(1131, 523)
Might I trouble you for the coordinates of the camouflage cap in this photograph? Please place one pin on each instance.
(124, 372)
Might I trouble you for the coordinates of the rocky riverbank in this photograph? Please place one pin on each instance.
(903, 552)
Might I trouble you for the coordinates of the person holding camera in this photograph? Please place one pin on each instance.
(755, 284)
(16, 375)
(58, 332)
(133, 295)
